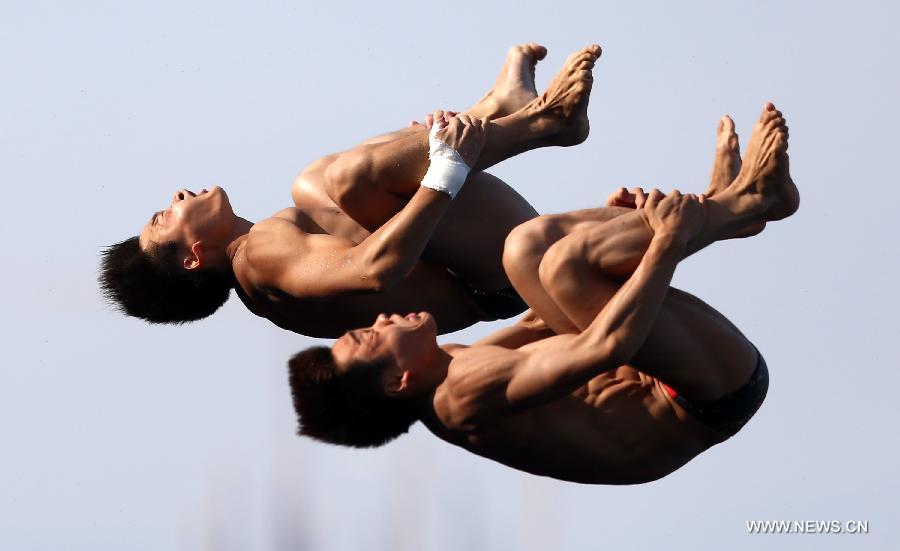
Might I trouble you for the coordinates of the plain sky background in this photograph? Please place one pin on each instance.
(118, 435)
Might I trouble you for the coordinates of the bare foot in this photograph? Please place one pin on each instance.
(563, 106)
(515, 83)
(727, 161)
(765, 175)
(726, 166)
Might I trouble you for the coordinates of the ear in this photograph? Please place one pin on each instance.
(398, 383)
(194, 260)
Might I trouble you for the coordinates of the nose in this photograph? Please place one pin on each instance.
(182, 194)
(382, 319)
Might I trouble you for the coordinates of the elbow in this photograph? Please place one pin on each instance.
(616, 351)
(380, 265)
(382, 277)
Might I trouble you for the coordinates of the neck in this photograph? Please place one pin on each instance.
(438, 367)
(237, 237)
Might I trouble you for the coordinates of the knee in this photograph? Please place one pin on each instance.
(523, 249)
(559, 269)
(518, 246)
(527, 243)
(346, 179)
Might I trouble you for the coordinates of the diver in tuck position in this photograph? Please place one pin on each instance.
(367, 234)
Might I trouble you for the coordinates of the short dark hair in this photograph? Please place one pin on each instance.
(346, 407)
(152, 286)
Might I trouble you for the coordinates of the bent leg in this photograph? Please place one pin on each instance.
(691, 347)
(373, 182)
(525, 247)
(612, 239)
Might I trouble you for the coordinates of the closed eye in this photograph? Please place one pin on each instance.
(371, 337)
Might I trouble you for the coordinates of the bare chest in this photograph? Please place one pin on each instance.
(617, 429)
(324, 219)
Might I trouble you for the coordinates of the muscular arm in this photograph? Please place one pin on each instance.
(528, 329)
(556, 366)
(304, 265)
(308, 266)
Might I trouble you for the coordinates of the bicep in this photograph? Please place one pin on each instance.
(552, 368)
(525, 331)
(311, 266)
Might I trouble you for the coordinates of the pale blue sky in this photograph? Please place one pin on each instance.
(118, 435)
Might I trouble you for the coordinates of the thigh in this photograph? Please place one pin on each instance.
(691, 347)
(308, 189)
(526, 246)
(470, 237)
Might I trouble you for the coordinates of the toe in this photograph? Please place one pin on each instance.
(780, 142)
(539, 52)
(584, 58)
(768, 112)
(774, 122)
(727, 124)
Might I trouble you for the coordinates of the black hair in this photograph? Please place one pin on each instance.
(152, 285)
(346, 407)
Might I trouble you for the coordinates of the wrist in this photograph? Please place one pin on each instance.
(446, 176)
(670, 239)
(447, 172)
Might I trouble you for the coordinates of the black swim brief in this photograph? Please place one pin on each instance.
(729, 414)
(501, 304)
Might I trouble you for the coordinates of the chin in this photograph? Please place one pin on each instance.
(223, 205)
(220, 195)
(429, 322)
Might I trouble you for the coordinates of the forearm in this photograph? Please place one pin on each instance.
(561, 364)
(392, 250)
(523, 332)
(621, 328)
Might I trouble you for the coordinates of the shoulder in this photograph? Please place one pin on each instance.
(266, 236)
(269, 243)
(475, 384)
(280, 255)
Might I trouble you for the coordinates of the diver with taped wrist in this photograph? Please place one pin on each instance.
(374, 228)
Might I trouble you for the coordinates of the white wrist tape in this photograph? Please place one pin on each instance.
(447, 172)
